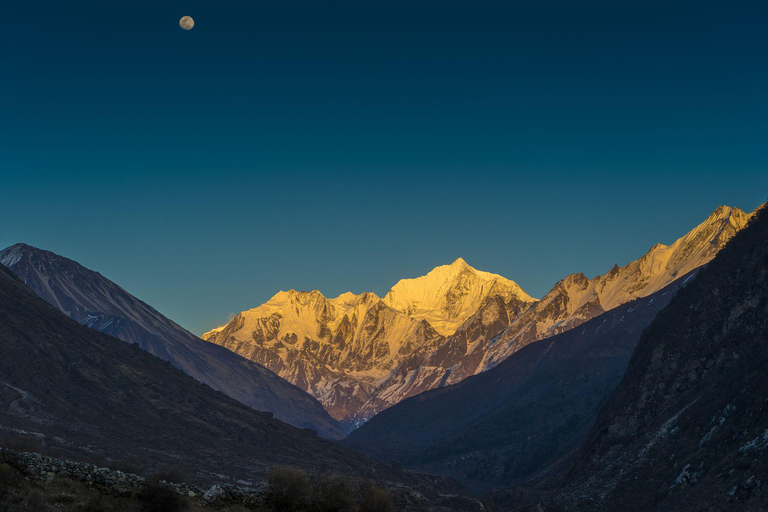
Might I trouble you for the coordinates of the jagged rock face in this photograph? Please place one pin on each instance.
(687, 428)
(443, 327)
(90, 299)
(443, 361)
(336, 349)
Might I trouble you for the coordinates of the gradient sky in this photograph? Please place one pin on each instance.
(339, 145)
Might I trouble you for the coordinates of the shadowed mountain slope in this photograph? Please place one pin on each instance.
(91, 299)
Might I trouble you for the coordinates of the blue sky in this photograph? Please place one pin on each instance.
(344, 145)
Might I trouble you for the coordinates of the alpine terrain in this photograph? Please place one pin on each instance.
(360, 354)
(92, 300)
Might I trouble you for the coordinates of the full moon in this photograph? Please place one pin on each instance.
(186, 22)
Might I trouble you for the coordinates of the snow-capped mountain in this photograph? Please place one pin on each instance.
(450, 294)
(340, 350)
(91, 299)
(359, 354)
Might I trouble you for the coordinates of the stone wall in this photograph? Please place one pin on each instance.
(43, 468)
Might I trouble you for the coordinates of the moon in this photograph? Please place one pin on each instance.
(186, 22)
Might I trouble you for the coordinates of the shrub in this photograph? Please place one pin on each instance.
(158, 497)
(9, 478)
(374, 499)
(334, 494)
(290, 489)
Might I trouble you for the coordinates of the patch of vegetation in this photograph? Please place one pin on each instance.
(293, 490)
(374, 498)
(159, 497)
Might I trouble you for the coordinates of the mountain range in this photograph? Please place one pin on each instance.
(93, 300)
(360, 354)
(639, 389)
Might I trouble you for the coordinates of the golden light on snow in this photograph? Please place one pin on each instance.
(186, 22)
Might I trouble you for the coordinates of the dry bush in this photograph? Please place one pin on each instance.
(9, 479)
(334, 493)
(374, 498)
(158, 497)
(290, 489)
